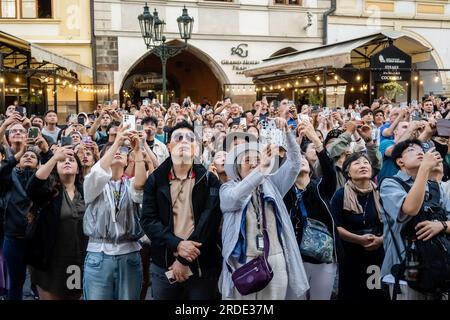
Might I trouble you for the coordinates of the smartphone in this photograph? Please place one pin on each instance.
(130, 120)
(169, 275)
(145, 102)
(22, 111)
(139, 127)
(357, 116)
(81, 120)
(73, 118)
(276, 104)
(33, 132)
(106, 105)
(243, 122)
(303, 117)
(66, 141)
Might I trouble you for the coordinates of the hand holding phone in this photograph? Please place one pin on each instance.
(171, 278)
(66, 141)
(33, 132)
(303, 118)
(22, 111)
(130, 120)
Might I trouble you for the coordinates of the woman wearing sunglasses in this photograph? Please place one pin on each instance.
(113, 269)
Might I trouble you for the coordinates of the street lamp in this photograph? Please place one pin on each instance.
(153, 28)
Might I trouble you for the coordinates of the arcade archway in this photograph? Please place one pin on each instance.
(191, 73)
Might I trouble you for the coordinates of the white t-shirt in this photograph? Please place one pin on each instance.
(52, 134)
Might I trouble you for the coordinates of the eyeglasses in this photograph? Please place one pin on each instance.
(17, 131)
(188, 136)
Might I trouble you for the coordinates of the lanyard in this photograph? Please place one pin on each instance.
(117, 195)
(258, 206)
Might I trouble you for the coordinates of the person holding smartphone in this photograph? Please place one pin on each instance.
(181, 217)
(57, 194)
(111, 222)
(15, 172)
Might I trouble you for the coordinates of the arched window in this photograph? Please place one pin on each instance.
(283, 51)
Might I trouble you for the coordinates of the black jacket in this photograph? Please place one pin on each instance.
(16, 201)
(47, 211)
(157, 218)
(316, 197)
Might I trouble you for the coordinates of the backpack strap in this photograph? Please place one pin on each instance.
(390, 223)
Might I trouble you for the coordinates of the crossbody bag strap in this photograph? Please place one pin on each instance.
(265, 234)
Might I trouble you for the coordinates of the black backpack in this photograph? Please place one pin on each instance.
(433, 256)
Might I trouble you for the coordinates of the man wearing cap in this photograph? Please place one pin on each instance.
(250, 196)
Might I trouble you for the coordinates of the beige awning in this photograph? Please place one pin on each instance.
(43, 55)
(39, 54)
(339, 54)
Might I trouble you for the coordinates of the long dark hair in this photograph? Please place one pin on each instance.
(55, 182)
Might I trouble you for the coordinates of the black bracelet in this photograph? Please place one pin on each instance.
(445, 225)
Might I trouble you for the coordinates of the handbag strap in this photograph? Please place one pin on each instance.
(301, 204)
(265, 233)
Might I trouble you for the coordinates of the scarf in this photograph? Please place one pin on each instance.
(351, 192)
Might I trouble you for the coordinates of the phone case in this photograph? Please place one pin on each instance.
(130, 120)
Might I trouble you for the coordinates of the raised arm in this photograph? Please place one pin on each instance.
(414, 200)
(284, 178)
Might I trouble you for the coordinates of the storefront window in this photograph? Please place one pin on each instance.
(8, 8)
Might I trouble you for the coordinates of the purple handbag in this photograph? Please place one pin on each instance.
(256, 274)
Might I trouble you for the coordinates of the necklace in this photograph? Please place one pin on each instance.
(365, 208)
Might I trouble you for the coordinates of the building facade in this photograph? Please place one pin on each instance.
(231, 36)
(63, 27)
(227, 38)
(426, 21)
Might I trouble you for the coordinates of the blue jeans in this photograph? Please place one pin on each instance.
(14, 251)
(195, 288)
(112, 277)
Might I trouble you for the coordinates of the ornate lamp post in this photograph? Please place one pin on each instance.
(152, 29)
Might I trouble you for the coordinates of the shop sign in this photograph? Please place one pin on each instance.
(391, 61)
(239, 65)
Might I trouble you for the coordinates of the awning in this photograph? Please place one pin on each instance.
(339, 54)
(43, 55)
(38, 54)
